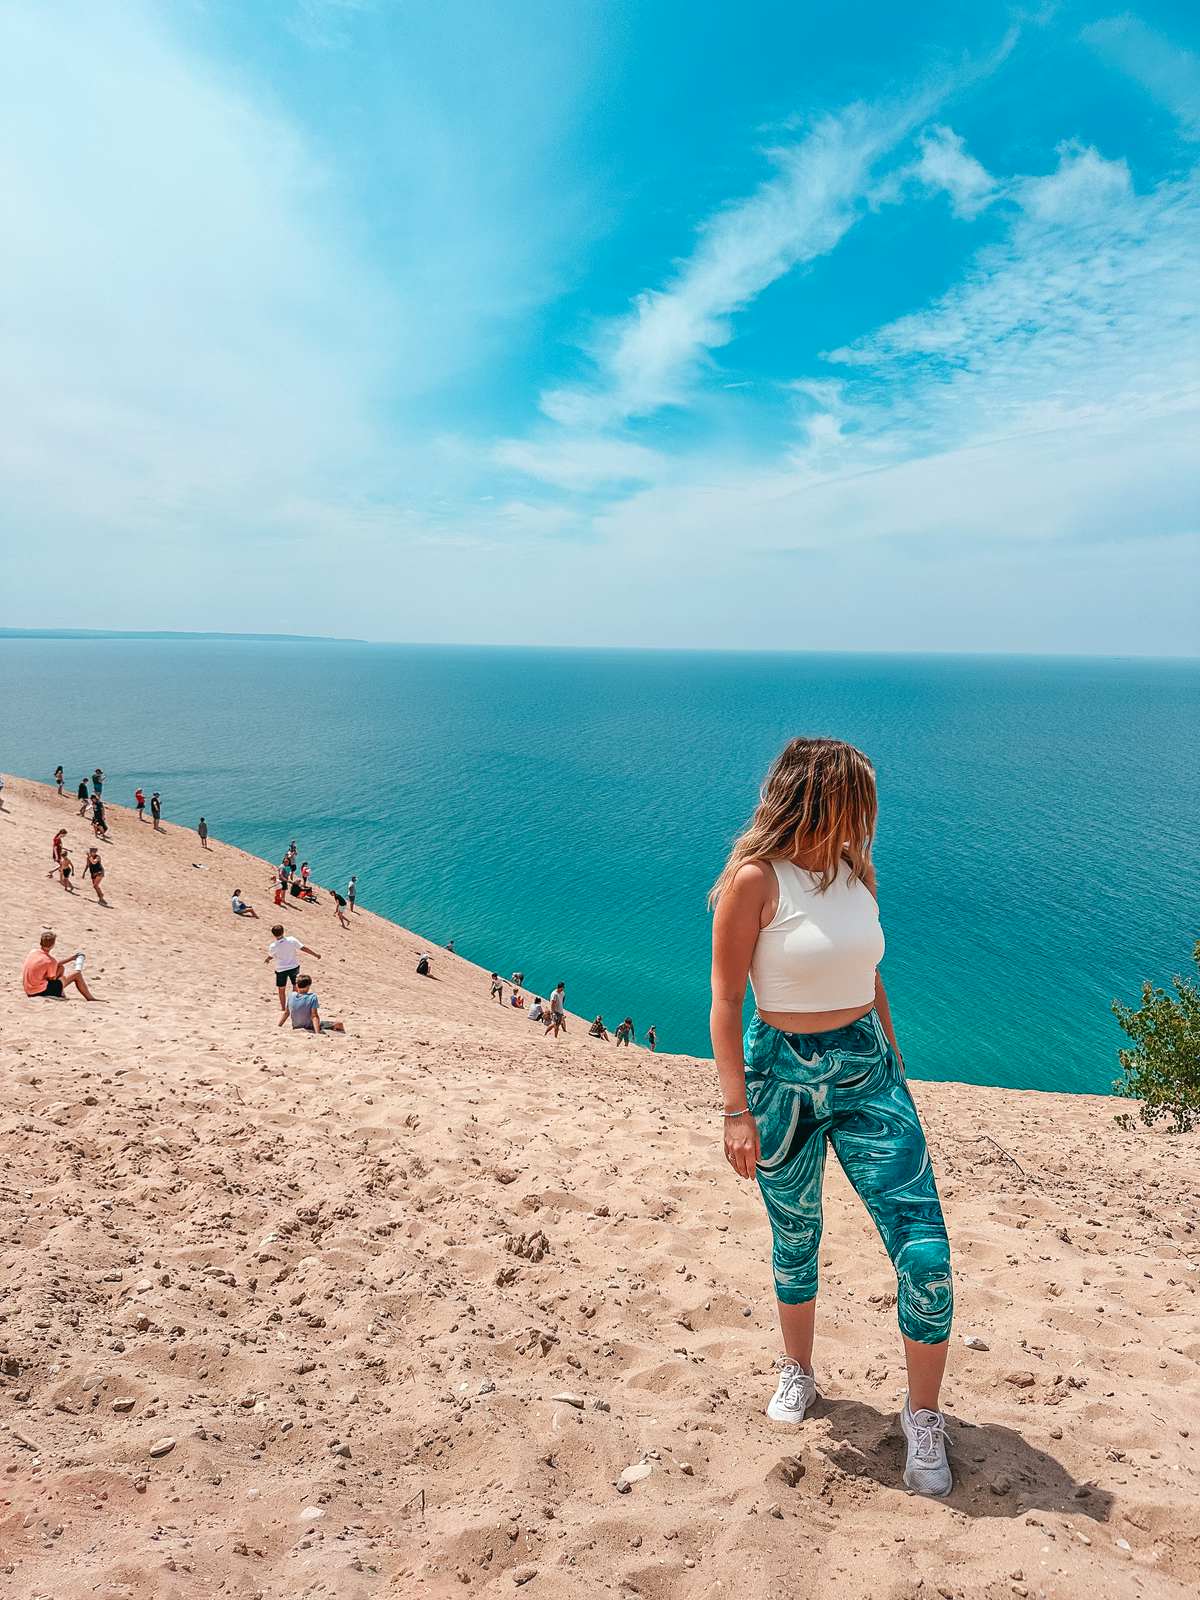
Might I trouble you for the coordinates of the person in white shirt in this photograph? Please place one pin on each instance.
(556, 1018)
(285, 952)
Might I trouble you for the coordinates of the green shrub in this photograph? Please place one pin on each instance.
(1162, 1070)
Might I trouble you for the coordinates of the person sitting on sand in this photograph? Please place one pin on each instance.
(302, 1010)
(624, 1032)
(797, 914)
(517, 999)
(285, 952)
(56, 850)
(43, 974)
(240, 908)
(537, 1011)
(424, 965)
(66, 870)
(94, 869)
(339, 908)
(597, 1029)
(497, 988)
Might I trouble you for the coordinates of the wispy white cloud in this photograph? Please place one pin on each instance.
(945, 164)
(583, 461)
(1052, 397)
(649, 358)
(1088, 307)
(1167, 72)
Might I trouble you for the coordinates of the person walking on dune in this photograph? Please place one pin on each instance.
(339, 908)
(156, 811)
(557, 1018)
(202, 830)
(497, 988)
(58, 779)
(56, 849)
(97, 782)
(66, 870)
(285, 952)
(43, 974)
(624, 1032)
(82, 796)
(99, 818)
(796, 913)
(93, 868)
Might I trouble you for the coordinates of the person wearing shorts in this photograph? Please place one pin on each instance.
(285, 952)
(44, 976)
(352, 891)
(139, 801)
(156, 810)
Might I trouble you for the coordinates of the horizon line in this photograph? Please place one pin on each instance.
(217, 636)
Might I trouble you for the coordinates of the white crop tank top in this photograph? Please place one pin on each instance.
(819, 951)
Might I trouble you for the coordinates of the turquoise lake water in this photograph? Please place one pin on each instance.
(564, 812)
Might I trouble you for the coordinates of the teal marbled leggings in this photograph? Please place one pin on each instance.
(846, 1087)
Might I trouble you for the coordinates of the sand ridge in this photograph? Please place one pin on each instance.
(391, 1314)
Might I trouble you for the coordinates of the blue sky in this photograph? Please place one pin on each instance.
(669, 322)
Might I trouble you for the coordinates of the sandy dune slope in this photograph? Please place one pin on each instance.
(389, 1314)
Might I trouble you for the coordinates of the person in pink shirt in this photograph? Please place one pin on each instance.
(43, 974)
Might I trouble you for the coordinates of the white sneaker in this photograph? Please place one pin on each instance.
(927, 1470)
(796, 1392)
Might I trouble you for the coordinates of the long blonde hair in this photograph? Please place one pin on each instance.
(818, 801)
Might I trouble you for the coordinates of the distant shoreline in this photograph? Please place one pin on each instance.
(165, 635)
(170, 633)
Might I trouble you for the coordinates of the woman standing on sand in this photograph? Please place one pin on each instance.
(796, 913)
(94, 868)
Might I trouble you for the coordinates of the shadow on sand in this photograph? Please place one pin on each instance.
(997, 1473)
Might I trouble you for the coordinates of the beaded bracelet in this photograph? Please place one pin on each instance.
(744, 1112)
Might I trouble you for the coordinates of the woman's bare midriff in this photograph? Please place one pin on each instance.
(814, 1021)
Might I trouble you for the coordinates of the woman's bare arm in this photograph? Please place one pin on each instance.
(736, 926)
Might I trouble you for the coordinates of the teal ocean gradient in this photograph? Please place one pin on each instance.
(564, 812)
